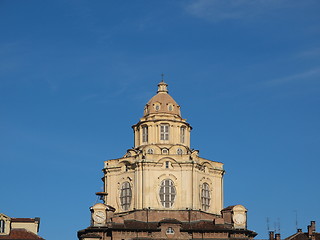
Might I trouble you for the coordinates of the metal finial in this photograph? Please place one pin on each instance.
(162, 75)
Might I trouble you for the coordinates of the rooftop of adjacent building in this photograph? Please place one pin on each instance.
(19, 228)
(311, 234)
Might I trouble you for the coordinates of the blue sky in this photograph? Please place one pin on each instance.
(75, 75)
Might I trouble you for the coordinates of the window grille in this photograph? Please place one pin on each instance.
(164, 132)
(125, 195)
(144, 133)
(205, 196)
(179, 151)
(150, 151)
(167, 193)
(2, 223)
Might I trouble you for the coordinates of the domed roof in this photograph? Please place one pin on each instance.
(162, 102)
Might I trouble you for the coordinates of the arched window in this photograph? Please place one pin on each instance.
(164, 132)
(125, 195)
(167, 193)
(179, 151)
(165, 151)
(150, 151)
(144, 133)
(182, 134)
(205, 196)
(2, 226)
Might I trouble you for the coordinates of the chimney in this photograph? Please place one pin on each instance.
(271, 235)
(278, 237)
(299, 230)
(311, 228)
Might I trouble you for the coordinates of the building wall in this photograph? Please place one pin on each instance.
(145, 177)
(30, 226)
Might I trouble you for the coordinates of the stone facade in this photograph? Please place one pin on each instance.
(162, 188)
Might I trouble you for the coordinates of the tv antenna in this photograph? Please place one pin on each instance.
(296, 212)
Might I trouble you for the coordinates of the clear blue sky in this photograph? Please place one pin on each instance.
(75, 75)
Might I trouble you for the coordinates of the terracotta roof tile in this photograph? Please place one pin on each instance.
(23, 219)
(20, 234)
(91, 235)
(303, 236)
(170, 220)
(228, 208)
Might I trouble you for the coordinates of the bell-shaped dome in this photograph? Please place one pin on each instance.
(162, 102)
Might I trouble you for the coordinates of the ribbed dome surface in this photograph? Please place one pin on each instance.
(162, 102)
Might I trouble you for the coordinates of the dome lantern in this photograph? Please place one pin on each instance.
(162, 87)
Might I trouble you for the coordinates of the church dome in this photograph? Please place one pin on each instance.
(162, 102)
